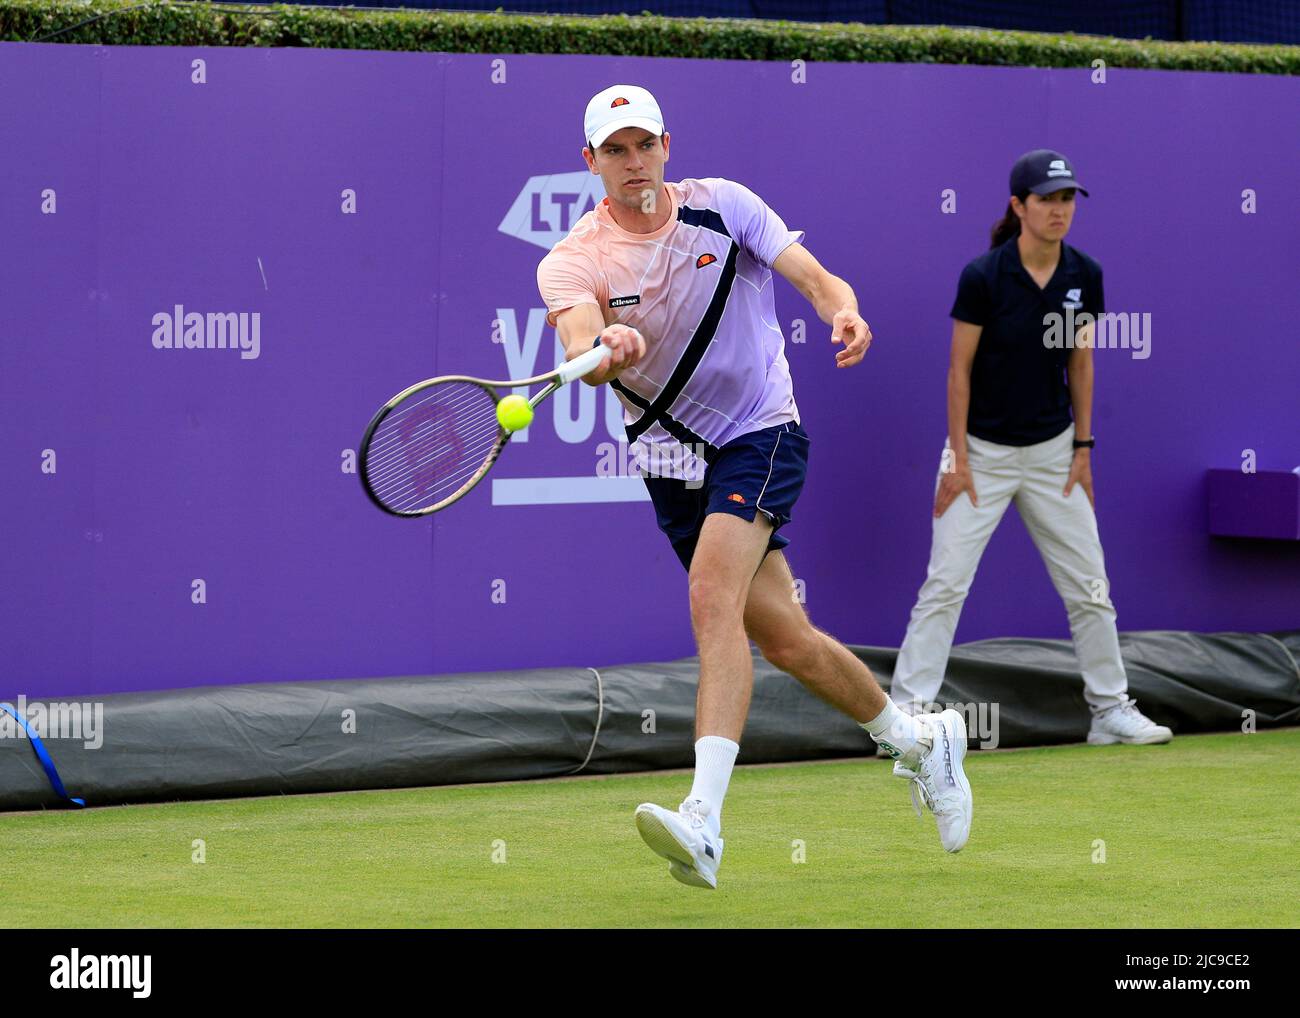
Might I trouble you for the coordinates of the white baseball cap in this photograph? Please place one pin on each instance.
(621, 106)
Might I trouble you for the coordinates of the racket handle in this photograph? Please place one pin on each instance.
(583, 364)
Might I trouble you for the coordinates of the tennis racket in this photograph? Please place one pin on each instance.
(430, 444)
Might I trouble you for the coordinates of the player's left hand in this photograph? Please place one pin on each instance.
(847, 327)
(1081, 474)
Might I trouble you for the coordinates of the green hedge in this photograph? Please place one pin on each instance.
(122, 22)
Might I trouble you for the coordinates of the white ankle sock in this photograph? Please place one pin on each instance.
(714, 758)
(901, 734)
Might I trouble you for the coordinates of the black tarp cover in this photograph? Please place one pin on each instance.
(271, 738)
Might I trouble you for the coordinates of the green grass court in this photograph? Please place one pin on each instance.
(1201, 832)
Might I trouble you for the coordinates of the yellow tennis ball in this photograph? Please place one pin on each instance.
(514, 413)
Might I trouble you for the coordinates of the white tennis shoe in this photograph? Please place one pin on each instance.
(684, 839)
(940, 779)
(1125, 723)
(883, 749)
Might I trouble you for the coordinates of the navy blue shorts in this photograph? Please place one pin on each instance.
(759, 472)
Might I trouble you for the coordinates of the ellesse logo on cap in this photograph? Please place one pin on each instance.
(703, 260)
(620, 101)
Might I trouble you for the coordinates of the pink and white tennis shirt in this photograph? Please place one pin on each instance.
(699, 289)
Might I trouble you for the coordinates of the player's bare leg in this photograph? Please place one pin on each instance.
(727, 554)
(928, 750)
(776, 621)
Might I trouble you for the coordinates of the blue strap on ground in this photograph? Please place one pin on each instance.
(43, 755)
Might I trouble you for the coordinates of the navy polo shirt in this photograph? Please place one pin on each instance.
(1019, 394)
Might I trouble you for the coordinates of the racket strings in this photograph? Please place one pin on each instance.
(392, 440)
(413, 496)
(436, 453)
(401, 456)
(435, 478)
(428, 447)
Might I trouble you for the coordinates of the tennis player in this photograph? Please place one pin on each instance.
(676, 279)
(1011, 436)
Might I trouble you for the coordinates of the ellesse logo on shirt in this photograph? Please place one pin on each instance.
(704, 259)
(624, 302)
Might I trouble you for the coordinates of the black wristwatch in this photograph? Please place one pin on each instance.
(1087, 444)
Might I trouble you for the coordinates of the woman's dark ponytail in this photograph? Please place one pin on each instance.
(1008, 226)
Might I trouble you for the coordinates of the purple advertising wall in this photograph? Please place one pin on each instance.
(178, 517)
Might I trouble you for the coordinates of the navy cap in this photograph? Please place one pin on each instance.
(1043, 171)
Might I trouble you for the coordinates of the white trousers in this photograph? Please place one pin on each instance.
(1065, 533)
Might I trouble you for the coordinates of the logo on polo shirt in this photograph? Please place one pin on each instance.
(705, 259)
(1057, 168)
(625, 302)
(1073, 298)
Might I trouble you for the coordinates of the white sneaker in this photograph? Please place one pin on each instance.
(1125, 723)
(883, 753)
(684, 839)
(941, 781)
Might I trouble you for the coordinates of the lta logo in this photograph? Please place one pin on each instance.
(549, 206)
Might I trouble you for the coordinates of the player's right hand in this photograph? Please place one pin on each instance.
(952, 484)
(627, 346)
